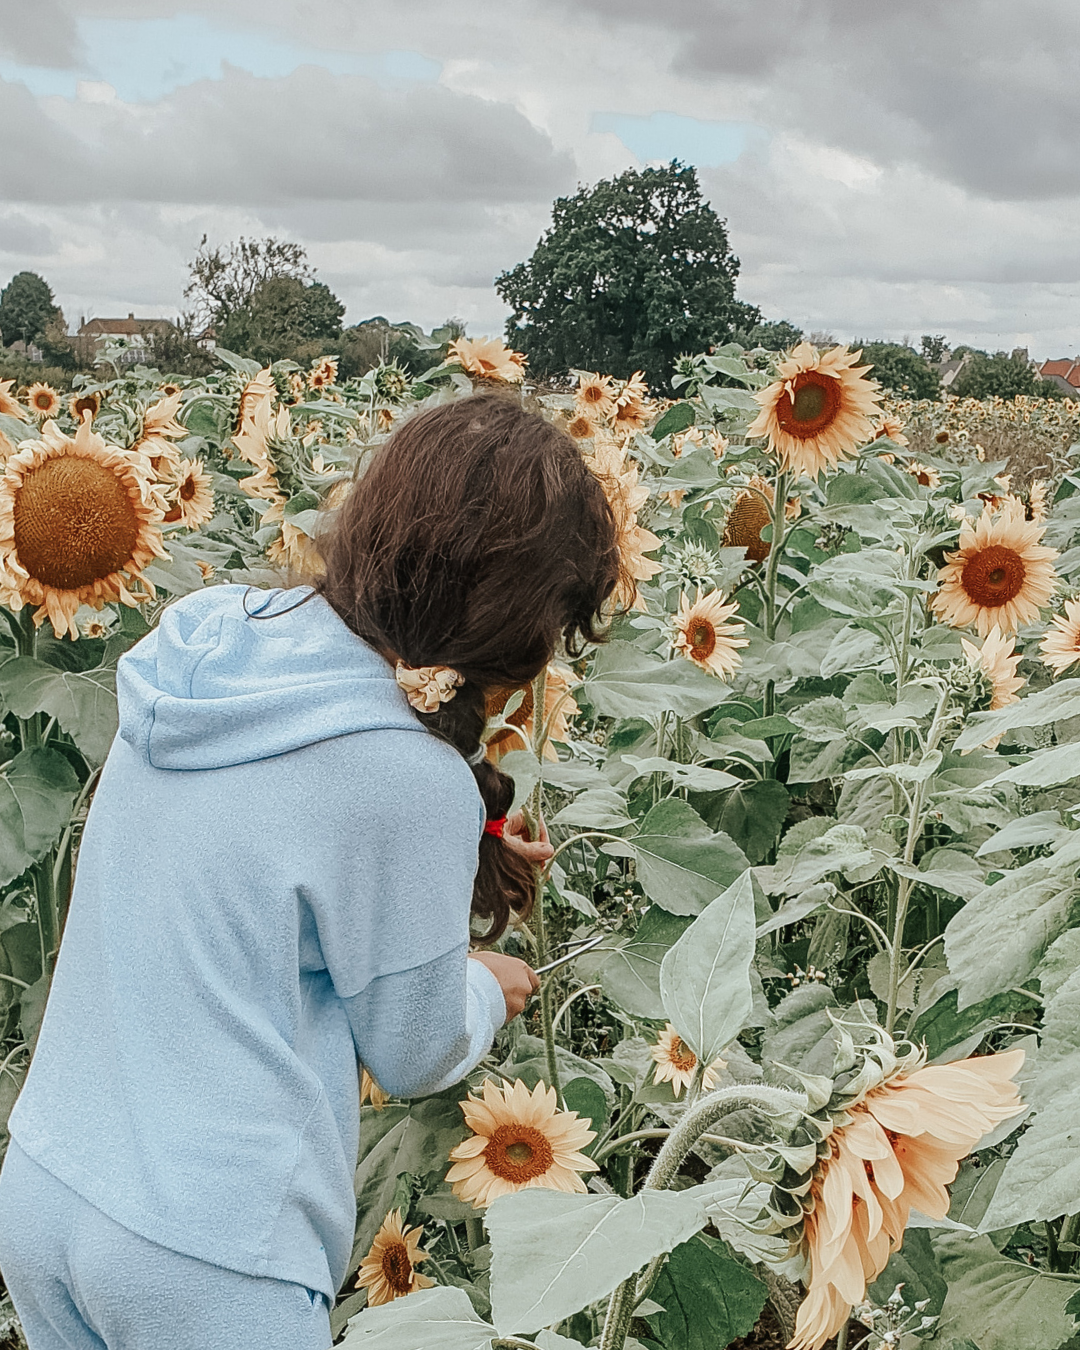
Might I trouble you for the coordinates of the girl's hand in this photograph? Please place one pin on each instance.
(516, 979)
(516, 836)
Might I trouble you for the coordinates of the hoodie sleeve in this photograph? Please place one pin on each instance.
(391, 908)
(420, 1030)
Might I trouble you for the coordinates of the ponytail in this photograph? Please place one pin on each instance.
(504, 883)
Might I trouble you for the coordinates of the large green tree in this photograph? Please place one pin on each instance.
(27, 308)
(225, 278)
(631, 273)
(282, 315)
(1003, 374)
(901, 370)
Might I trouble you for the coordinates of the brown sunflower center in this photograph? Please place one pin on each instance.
(994, 576)
(397, 1267)
(43, 401)
(813, 406)
(74, 523)
(84, 405)
(518, 1153)
(682, 1057)
(922, 478)
(593, 393)
(702, 637)
(188, 488)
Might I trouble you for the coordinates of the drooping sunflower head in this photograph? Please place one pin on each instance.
(488, 359)
(819, 410)
(998, 661)
(632, 410)
(520, 1140)
(884, 1138)
(890, 429)
(1060, 644)
(619, 478)
(558, 707)
(9, 404)
(43, 401)
(78, 523)
(389, 1269)
(703, 635)
(750, 513)
(1000, 574)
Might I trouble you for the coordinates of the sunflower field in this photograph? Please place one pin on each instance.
(805, 1064)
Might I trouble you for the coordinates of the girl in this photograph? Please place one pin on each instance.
(276, 880)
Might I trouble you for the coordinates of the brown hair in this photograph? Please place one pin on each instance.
(478, 539)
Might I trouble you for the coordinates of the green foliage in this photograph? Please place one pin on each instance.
(901, 370)
(1002, 375)
(226, 278)
(27, 308)
(709, 1298)
(281, 319)
(631, 272)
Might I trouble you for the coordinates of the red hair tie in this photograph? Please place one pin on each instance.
(496, 827)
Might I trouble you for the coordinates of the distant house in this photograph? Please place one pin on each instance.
(1065, 373)
(950, 368)
(137, 333)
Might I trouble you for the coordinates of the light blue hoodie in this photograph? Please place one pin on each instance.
(274, 879)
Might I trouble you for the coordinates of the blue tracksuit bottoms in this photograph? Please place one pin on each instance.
(79, 1281)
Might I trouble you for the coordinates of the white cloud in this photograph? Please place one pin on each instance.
(916, 171)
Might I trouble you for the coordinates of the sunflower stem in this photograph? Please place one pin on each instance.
(905, 885)
(547, 1021)
(673, 1153)
(474, 1232)
(772, 573)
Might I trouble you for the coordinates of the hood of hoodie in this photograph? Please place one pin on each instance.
(219, 682)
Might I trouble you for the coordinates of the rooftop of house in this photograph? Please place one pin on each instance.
(1066, 368)
(129, 327)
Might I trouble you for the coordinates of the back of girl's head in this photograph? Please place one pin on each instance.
(478, 539)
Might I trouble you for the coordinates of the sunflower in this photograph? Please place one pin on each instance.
(626, 496)
(1038, 496)
(580, 427)
(78, 524)
(923, 474)
(631, 404)
(703, 636)
(998, 661)
(819, 410)
(891, 429)
(894, 1150)
(170, 389)
(43, 401)
(677, 1064)
(297, 387)
(595, 397)
(520, 1140)
(159, 428)
(9, 404)
(323, 373)
(294, 550)
(193, 497)
(1060, 644)
(81, 404)
(371, 1091)
(557, 704)
(750, 512)
(389, 1269)
(1000, 574)
(488, 359)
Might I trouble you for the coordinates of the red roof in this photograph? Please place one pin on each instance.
(1066, 369)
(129, 327)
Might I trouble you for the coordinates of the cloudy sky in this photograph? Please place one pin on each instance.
(886, 167)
